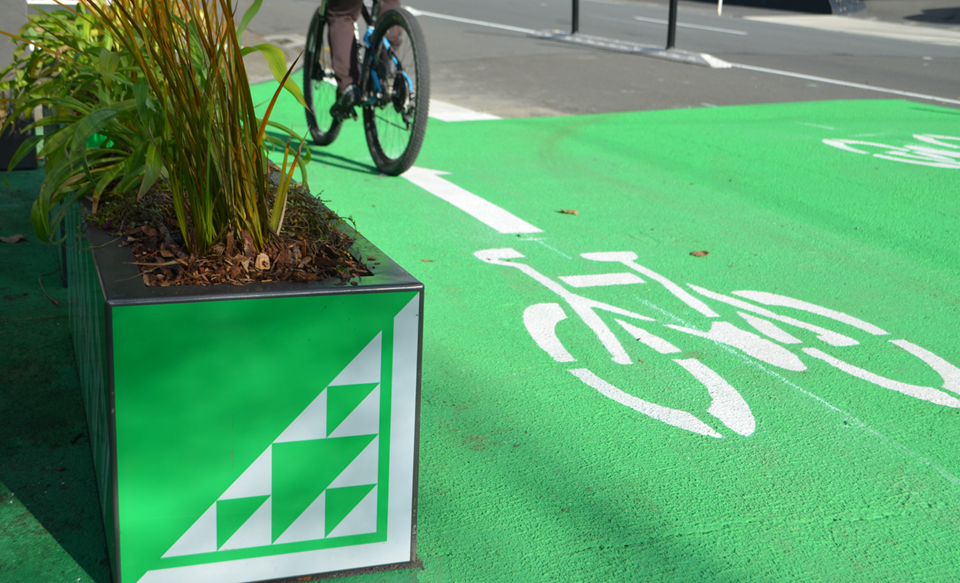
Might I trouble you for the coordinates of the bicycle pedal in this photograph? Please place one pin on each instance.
(341, 115)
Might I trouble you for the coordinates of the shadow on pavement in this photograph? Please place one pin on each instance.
(938, 16)
(45, 459)
(323, 155)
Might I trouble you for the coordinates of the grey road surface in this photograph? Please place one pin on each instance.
(511, 73)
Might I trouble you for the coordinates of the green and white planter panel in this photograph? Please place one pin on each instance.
(249, 433)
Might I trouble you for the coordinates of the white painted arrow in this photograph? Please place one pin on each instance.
(480, 209)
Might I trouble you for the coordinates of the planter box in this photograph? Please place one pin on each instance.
(248, 433)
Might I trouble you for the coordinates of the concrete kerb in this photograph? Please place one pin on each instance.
(676, 55)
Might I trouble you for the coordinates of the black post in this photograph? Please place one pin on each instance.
(576, 17)
(672, 26)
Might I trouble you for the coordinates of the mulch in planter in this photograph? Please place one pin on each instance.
(310, 246)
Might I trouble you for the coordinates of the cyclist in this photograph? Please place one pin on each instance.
(341, 16)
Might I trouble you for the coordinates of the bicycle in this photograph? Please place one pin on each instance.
(394, 83)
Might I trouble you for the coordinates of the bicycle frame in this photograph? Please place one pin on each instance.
(366, 70)
(392, 56)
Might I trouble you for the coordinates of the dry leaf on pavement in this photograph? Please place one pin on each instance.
(569, 212)
(13, 238)
(700, 253)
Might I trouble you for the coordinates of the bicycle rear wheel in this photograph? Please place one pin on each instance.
(397, 121)
(319, 84)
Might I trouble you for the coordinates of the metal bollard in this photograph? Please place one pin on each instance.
(576, 17)
(672, 26)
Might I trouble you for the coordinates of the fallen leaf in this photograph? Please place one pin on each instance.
(371, 258)
(569, 212)
(13, 238)
(167, 253)
(427, 260)
(700, 253)
(263, 262)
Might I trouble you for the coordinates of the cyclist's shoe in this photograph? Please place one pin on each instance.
(343, 108)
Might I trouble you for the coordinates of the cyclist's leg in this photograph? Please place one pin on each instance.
(341, 15)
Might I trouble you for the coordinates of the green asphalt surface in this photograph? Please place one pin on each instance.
(527, 472)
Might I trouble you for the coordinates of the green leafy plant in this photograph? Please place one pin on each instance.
(162, 86)
(75, 72)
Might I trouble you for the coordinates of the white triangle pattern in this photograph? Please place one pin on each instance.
(365, 368)
(200, 538)
(361, 520)
(256, 480)
(255, 532)
(362, 470)
(311, 424)
(309, 525)
(364, 420)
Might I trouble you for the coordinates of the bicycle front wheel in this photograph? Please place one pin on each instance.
(396, 121)
(319, 83)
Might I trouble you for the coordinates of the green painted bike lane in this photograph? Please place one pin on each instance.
(734, 441)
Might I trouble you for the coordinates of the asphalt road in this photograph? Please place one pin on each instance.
(512, 74)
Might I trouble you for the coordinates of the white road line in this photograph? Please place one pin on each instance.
(416, 12)
(891, 30)
(478, 208)
(697, 26)
(846, 84)
(449, 112)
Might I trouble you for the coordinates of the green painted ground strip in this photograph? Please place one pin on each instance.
(528, 474)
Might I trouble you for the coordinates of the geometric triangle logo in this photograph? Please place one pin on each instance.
(302, 470)
(318, 477)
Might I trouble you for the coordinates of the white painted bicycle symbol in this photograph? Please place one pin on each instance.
(936, 151)
(764, 343)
